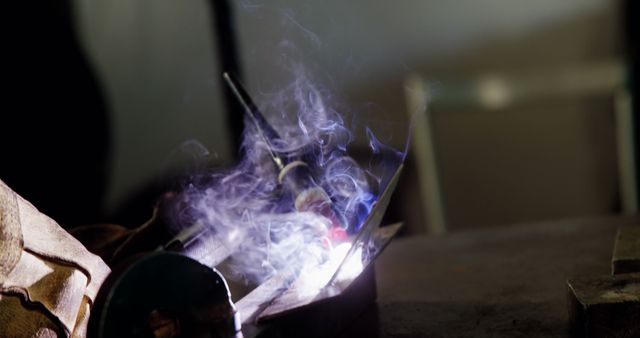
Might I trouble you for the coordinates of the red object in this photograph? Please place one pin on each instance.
(337, 234)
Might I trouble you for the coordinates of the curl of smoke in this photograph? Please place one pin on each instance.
(252, 213)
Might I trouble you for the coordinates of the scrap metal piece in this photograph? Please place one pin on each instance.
(363, 237)
(256, 301)
(371, 239)
(201, 243)
(279, 295)
(626, 252)
(607, 306)
(295, 299)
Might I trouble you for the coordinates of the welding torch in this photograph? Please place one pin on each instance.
(294, 174)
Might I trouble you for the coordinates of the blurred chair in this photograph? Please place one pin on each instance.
(502, 92)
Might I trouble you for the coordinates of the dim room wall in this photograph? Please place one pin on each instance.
(157, 64)
(158, 69)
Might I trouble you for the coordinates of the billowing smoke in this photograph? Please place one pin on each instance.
(257, 215)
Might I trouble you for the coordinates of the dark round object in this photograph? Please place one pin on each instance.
(163, 295)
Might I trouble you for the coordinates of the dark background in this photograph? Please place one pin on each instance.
(101, 95)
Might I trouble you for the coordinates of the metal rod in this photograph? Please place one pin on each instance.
(266, 132)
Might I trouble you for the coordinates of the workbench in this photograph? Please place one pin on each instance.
(507, 281)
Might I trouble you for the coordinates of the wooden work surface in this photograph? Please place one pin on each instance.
(498, 282)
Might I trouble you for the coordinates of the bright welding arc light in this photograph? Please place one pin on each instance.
(353, 266)
(314, 278)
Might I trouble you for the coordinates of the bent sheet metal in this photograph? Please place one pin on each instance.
(285, 293)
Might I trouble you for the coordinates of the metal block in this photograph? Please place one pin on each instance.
(626, 253)
(607, 306)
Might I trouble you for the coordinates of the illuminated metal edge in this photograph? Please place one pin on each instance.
(371, 223)
(276, 297)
